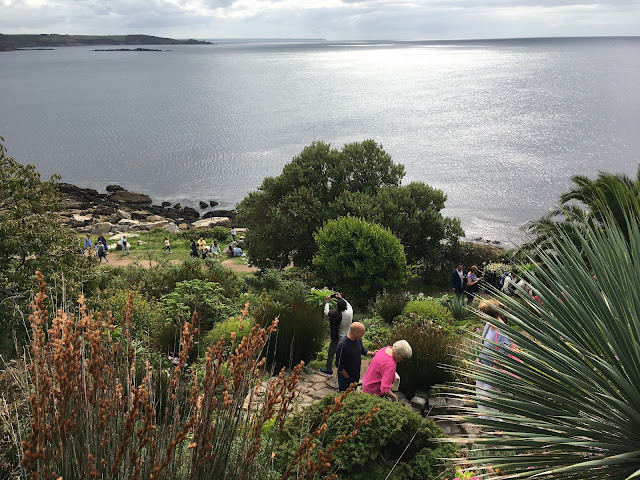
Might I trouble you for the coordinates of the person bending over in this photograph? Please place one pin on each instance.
(381, 373)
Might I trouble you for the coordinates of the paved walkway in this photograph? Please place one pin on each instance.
(315, 385)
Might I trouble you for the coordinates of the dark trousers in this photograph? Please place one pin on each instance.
(343, 383)
(330, 353)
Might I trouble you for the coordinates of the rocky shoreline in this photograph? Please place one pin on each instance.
(85, 210)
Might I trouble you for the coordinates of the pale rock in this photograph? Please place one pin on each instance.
(122, 214)
(212, 222)
(172, 228)
(80, 220)
(129, 222)
(154, 218)
(118, 236)
(183, 226)
(151, 226)
(102, 227)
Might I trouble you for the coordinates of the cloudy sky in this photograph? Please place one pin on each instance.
(330, 19)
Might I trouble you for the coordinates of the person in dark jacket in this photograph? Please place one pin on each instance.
(457, 280)
(349, 353)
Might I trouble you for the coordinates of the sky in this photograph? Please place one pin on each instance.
(328, 19)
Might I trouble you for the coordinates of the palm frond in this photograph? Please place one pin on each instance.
(568, 404)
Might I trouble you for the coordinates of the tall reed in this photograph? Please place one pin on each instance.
(97, 411)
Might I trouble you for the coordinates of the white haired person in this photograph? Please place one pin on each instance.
(381, 377)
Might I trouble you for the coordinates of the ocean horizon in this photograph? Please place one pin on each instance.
(500, 125)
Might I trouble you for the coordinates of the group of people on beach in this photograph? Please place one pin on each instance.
(346, 345)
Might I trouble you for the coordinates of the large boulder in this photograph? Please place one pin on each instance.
(113, 188)
(125, 196)
(102, 227)
(203, 205)
(211, 222)
(123, 214)
(155, 218)
(80, 220)
(172, 228)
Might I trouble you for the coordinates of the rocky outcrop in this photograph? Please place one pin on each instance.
(88, 211)
(125, 196)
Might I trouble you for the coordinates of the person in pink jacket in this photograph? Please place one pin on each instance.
(381, 373)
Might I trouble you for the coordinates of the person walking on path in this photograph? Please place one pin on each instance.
(167, 245)
(215, 250)
(233, 233)
(88, 245)
(457, 280)
(349, 353)
(340, 319)
(472, 284)
(125, 245)
(381, 374)
(101, 250)
(194, 249)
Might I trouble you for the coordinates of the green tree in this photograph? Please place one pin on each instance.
(567, 403)
(358, 257)
(412, 213)
(283, 213)
(32, 238)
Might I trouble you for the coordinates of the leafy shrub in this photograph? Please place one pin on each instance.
(145, 318)
(269, 279)
(221, 234)
(376, 333)
(429, 311)
(374, 451)
(195, 295)
(432, 346)
(358, 257)
(240, 327)
(299, 335)
(390, 305)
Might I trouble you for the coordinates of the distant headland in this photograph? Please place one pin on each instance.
(16, 42)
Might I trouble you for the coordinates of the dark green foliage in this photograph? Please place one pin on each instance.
(285, 211)
(359, 258)
(33, 238)
(301, 326)
(323, 184)
(390, 304)
(299, 337)
(412, 213)
(372, 453)
(11, 42)
(432, 346)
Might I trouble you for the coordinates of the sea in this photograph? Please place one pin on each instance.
(500, 126)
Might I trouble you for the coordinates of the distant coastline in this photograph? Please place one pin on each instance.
(48, 41)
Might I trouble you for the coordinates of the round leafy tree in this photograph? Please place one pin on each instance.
(358, 257)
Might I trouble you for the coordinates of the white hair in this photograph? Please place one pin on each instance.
(402, 350)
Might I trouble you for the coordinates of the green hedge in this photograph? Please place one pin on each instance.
(372, 453)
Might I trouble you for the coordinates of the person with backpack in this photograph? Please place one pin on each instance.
(101, 250)
(340, 319)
